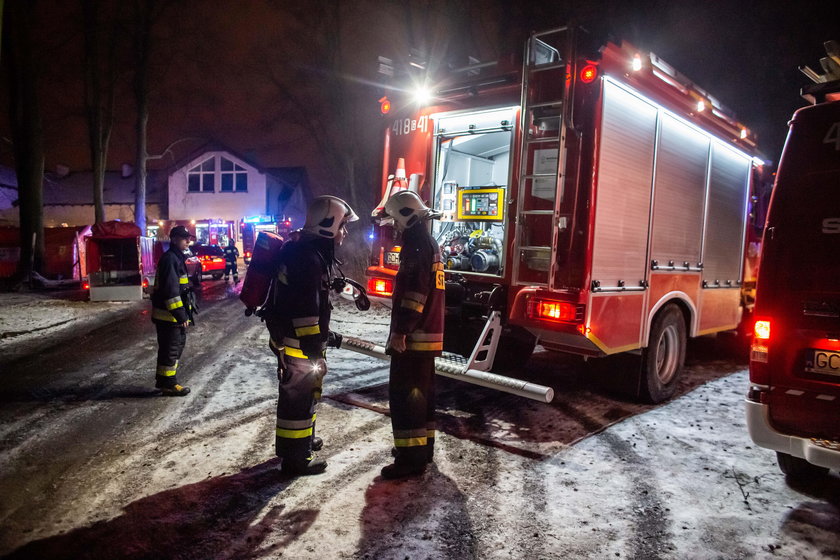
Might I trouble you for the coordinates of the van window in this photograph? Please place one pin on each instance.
(804, 253)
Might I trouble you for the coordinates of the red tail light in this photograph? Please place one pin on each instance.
(247, 254)
(381, 286)
(762, 330)
(145, 282)
(559, 311)
(760, 352)
(86, 286)
(588, 73)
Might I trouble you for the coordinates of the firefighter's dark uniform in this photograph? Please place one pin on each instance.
(418, 311)
(298, 322)
(231, 254)
(171, 308)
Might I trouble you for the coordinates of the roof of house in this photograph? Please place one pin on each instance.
(77, 188)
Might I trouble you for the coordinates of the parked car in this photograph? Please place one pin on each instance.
(793, 406)
(212, 259)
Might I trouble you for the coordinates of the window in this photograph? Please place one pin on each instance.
(202, 177)
(234, 177)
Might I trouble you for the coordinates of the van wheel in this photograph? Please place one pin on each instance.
(797, 468)
(663, 359)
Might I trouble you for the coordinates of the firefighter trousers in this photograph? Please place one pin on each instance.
(411, 395)
(231, 267)
(299, 391)
(171, 340)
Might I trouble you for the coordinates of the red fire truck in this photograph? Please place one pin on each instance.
(251, 226)
(594, 198)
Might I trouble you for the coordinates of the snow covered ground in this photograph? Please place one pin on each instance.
(28, 320)
(91, 467)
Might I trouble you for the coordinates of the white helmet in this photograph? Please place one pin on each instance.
(326, 215)
(406, 208)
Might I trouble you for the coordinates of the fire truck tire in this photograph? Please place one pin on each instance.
(797, 468)
(663, 359)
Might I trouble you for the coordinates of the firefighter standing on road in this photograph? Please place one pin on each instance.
(416, 336)
(172, 310)
(231, 254)
(298, 319)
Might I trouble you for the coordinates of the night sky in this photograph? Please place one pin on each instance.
(218, 65)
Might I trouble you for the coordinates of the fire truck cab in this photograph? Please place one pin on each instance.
(793, 405)
(595, 197)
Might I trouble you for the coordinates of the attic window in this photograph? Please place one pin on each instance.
(202, 177)
(234, 176)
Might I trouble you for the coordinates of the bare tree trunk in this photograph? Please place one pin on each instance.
(27, 132)
(99, 95)
(142, 48)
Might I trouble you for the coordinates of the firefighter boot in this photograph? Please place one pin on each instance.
(175, 391)
(305, 467)
(402, 470)
(430, 450)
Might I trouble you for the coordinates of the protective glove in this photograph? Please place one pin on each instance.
(334, 340)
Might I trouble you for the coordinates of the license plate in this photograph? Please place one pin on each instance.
(823, 361)
(392, 258)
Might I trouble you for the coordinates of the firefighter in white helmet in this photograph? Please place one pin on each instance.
(298, 319)
(416, 336)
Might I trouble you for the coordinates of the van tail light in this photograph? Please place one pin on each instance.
(759, 352)
(556, 311)
(86, 286)
(383, 287)
(247, 254)
(145, 282)
(762, 330)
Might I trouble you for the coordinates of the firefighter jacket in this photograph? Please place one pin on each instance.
(171, 297)
(299, 314)
(231, 253)
(418, 300)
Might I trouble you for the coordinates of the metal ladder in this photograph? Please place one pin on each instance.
(547, 54)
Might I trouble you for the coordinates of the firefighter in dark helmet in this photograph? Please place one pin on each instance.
(298, 319)
(172, 311)
(231, 254)
(416, 336)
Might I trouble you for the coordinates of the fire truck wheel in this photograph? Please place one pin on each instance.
(663, 359)
(797, 468)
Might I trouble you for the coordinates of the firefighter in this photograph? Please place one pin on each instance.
(416, 336)
(172, 311)
(298, 319)
(231, 254)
